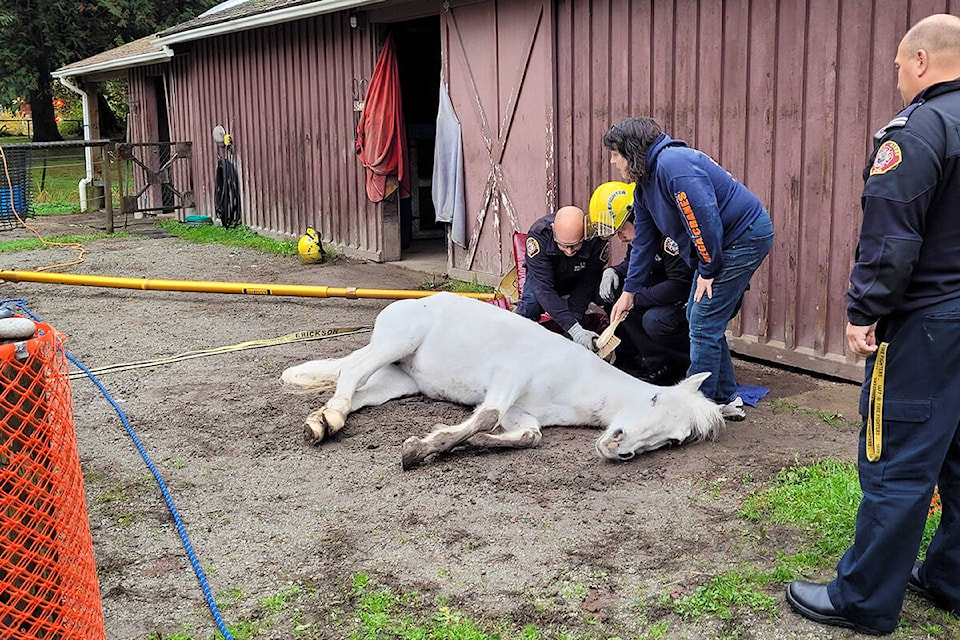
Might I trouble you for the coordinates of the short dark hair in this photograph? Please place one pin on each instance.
(632, 138)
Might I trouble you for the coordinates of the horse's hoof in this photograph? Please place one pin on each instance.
(335, 414)
(530, 439)
(333, 419)
(315, 428)
(411, 453)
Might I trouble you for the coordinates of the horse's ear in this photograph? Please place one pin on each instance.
(693, 383)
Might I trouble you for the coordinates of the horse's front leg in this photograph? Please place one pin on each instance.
(520, 431)
(444, 438)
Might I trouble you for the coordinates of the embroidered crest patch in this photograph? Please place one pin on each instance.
(670, 246)
(533, 247)
(888, 158)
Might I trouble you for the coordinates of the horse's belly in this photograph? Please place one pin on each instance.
(447, 383)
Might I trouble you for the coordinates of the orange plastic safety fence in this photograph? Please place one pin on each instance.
(48, 577)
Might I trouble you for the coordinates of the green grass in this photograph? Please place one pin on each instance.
(821, 500)
(726, 594)
(54, 207)
(835, 420)
(55, 174)
(26, 244)
(443, 283)
(237, 237)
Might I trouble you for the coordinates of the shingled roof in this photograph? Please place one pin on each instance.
(132, 54)
(242, 10)
(245, 15)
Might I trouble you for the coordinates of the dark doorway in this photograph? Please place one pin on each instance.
(163, 137)
(418, 58)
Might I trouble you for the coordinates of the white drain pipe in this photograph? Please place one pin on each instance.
(87, 151)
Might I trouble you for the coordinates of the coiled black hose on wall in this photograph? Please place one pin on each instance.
(226, 194)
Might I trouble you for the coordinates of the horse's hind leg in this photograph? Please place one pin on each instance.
(444, 438)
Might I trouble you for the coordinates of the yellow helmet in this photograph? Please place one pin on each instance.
(610, 205)
(309, 247)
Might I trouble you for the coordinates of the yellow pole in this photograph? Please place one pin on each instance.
(250, 288)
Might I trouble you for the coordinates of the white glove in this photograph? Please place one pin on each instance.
(609, 283)
(583, 337)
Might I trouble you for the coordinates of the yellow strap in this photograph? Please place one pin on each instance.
(299, 336)
(875, 410)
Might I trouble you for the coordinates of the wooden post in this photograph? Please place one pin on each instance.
(93, 107)
(107, 186)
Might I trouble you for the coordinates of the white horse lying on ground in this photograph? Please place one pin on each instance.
(518, 375)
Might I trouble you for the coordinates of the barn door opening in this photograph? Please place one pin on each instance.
(418, 59)
(163, 137)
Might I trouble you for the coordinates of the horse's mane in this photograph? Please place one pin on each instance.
(706, 418)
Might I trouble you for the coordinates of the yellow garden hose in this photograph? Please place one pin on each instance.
(249, 288)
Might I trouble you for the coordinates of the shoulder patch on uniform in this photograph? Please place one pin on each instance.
(887, 159)
(605, 253)
(670, 246)
(533, 247)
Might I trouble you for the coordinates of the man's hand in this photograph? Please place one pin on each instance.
(623, 305)
(583, 337)
(862, 340)
(608, 284)
(704, 286)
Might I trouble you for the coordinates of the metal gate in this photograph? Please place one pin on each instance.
(156, 176)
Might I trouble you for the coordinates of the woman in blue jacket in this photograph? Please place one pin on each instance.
(683, 193)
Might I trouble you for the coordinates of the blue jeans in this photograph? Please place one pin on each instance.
(708, 318)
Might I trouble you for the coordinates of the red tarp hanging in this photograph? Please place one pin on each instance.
(381, 133)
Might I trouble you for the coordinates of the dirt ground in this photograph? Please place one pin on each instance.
(552, 536)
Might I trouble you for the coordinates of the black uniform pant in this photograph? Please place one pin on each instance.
(655, 339)
(920, 449)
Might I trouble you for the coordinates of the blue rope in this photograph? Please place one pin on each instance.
(156, 474)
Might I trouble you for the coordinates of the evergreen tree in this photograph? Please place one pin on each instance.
(40, 36)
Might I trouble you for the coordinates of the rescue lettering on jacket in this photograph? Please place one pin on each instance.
(694, 227)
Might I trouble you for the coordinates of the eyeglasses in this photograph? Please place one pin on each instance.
(570, 246)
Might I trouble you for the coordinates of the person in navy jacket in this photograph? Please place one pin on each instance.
(903, 308)
(656, 338)
(563, 272)
(722, 229)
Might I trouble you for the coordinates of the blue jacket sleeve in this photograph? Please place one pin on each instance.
(696, 202)
(642, 249)
(895, 204)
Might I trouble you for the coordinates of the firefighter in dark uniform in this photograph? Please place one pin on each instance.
(904, 315)
(563, 271)
(655, 335)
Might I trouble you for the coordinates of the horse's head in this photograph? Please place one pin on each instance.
(673, 415)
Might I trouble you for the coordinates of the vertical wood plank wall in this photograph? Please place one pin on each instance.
(785, 95)
(284, 94)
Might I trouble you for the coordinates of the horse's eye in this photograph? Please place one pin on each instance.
(653, 400)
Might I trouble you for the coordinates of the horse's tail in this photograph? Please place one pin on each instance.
(317, 375)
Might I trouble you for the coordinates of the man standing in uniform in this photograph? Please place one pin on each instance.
(904, 315)
(560, 264)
